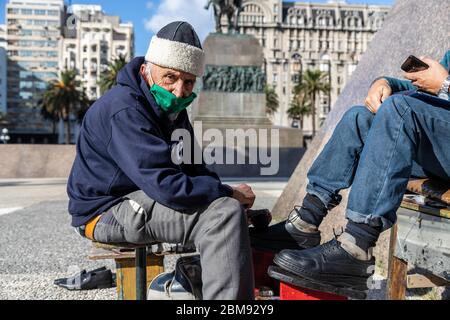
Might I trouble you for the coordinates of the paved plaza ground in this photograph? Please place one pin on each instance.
(37, 244)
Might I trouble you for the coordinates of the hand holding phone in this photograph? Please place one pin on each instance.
(414, 64)
(429, 80)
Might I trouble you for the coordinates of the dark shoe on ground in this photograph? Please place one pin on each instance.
(285, 235)
(329, 264)
(101, 278)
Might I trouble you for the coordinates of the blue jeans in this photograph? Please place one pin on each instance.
(376, 154)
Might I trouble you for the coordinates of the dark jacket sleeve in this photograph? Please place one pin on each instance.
(146, 159)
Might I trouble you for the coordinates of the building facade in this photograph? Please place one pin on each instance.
(33, 46)
(3, 32)
(3, 69)
(297, 36)
(44, 38)
(91, 40)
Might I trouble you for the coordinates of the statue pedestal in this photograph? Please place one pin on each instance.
(232, 97)
(232, 94)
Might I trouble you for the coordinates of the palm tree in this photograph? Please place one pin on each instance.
(272, 102)
(313, 83)
(63, 97)
(300, 105)
(109, 78)
(51, 116)
(2, 118)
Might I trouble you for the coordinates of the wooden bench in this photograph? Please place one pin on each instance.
(136, 265)
(420, 239)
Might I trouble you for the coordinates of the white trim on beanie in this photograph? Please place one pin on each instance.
(176, 55)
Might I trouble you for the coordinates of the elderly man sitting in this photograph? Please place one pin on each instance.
(124, 187)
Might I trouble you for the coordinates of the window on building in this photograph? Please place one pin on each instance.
(40, 22)
(322, 22)
(275, 78)
(25, 53)
(295, 78)
(39, 12)
(52, 22)
(26, 11)
(25, 95)
(302, 44)
(26, 84)
(351, 68)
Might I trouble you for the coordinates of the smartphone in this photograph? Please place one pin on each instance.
(413, 64)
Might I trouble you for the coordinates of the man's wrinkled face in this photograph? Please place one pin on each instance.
(180, 83)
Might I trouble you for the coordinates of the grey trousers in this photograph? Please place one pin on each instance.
(219, 232)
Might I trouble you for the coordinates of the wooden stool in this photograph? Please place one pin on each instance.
(136, 265)
(420, 223)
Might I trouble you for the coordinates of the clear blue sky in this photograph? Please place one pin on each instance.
(139, 11)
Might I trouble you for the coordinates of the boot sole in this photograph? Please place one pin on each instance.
(287, 277)
(339, 281)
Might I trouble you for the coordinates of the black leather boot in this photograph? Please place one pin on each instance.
(285, 235)
(329, 264)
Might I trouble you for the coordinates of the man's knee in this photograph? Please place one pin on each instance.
(357, 117)
(394, 105)
(231, 211)
(134, 218)
(357, 112)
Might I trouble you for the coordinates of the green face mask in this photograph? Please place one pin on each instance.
(168, 102)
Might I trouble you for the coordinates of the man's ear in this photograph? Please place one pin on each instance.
(142, 70)
(144, 75)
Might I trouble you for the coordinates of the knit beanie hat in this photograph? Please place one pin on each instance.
(177, 46)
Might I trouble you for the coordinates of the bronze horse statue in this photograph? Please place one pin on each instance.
(230, 8)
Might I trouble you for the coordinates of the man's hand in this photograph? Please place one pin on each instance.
(244, 194)
(431, 79)
(378, 92)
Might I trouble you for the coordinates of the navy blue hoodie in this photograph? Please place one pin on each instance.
(125, 145)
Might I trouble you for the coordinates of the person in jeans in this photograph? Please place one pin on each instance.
(124, 186)
(403, 130)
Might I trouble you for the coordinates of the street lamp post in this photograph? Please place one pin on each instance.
(4, 137)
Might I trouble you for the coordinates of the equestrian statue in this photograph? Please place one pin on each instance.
(231, 9)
